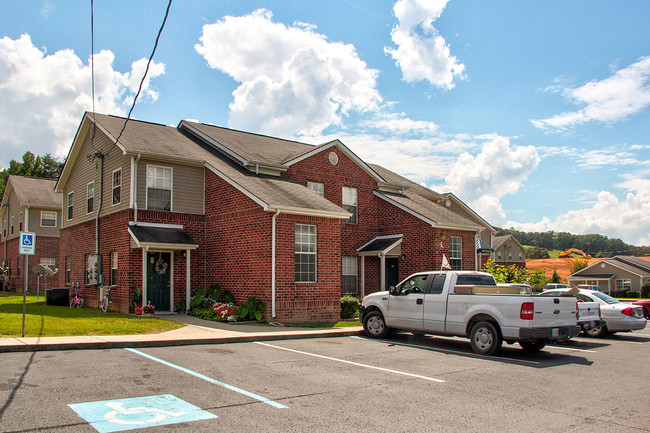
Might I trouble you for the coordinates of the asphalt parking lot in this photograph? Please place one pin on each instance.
(402, 384)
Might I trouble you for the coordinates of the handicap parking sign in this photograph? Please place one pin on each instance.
(133, 413)
(27, 243)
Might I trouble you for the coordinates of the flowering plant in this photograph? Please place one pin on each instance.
(148, 309)
(227, 312)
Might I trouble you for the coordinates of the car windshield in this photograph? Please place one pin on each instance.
(605, 298)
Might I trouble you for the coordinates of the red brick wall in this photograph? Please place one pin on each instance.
(46, 246)
(239, 233)
(79, 240)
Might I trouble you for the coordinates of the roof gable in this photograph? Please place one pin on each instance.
(34, 191)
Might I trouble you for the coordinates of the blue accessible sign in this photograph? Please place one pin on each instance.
(133, 413)
(27, 243)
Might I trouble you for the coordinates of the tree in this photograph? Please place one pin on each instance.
(555, 278)
(577, 264)
(32, 166)
(537, 253)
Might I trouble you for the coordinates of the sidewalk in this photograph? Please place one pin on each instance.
(196, 331)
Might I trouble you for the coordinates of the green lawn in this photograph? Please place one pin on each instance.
(49, 321)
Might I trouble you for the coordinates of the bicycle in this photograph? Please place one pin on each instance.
(77, 301)
(103, 305)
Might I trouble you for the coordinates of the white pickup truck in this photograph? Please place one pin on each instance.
(469, 304)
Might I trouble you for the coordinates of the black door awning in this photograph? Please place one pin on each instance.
(380, 245)
(155, 236)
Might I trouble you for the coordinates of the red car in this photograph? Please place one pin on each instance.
(646, 307)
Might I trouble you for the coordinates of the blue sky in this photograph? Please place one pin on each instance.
(534, 113)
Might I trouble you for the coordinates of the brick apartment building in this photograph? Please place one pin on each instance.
(169, 209)
(29, 204)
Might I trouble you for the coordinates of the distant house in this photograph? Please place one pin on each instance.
(627, 273)
(29, 204)
(295, 225)
(508, 251)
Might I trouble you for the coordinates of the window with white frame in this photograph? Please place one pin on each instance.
(68, 269)
(90, 197)
(20, 222)
(456, 253)
(12, 224)
(50, 262)
(317, 187)
(349, 274)
(521, 257)
(350, 203)
(305, 251)
(117, 186)
(624, 285)
(159, 188)
(499, 256)
(48, 218)
(114, 267)
(70, 205)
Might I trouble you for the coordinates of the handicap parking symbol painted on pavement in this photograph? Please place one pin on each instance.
(133, 413)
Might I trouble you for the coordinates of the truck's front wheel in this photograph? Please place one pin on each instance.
(485, 338)
(374, 325)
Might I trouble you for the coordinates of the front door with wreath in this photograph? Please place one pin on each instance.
(158, 271)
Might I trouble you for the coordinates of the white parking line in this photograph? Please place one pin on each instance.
(352, 363)
(211, 380)
(572, 348)
(455, 352)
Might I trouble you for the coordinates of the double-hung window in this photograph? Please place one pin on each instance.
(20, 222)
(70, 205)
(90, 197)
(68, 269)
(12, 224)
(305, 250)
(117, 186)
(624, 285)
(350, 203)
(48, 218)
(456, 253)
(317, 187)
(114, 267)
(50, 262)
(159, 188)
(349, 274)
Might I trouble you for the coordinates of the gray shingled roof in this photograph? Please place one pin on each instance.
(275, 192)
(497, 241)
(34, 191)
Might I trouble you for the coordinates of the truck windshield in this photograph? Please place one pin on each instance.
(475, 280)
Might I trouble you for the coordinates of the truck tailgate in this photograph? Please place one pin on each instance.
(553, 311)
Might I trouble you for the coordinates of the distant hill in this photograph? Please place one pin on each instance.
(598, 246)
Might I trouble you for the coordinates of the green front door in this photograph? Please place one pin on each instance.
(158, 270)
(392, 272)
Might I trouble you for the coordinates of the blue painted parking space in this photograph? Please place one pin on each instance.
(133, 413)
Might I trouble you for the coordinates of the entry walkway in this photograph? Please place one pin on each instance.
(196, 331)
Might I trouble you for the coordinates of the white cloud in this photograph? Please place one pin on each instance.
(293, 81)
(627, 217)
(482, 180)
(42, 97)
(422, 53)
(613, 99)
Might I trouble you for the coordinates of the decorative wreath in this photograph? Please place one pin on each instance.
(161, 266)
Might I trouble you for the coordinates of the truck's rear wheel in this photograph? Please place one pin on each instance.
(532, 346)
(485, 338)
(374, 325)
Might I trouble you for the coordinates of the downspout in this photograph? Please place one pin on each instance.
(134, 185)
(277, 212)
(101, 199)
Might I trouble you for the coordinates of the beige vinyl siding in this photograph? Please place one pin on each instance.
(84, 171)
(14, 211)
(188, 186)
(35, 222)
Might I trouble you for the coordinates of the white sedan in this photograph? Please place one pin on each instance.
(618, 317)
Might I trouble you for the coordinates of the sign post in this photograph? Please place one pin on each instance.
(27, 248)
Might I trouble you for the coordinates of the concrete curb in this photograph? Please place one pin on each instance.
(156, 341)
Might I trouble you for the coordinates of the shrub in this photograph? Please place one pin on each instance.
(631, 294)
(349, 307)
(645, 290)
(252, 309)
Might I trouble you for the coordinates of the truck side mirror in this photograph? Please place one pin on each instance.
(392, 290)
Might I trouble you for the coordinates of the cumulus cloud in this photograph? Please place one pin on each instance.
(613, 99)
(42, 97)
(626, 217)
(422, 53)
(482, 180)
(293, 81)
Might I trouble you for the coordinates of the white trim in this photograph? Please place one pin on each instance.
(133, 180)
(188, 264)
(382, 252)
(113, 186)
(469, 209)
(161, 225)
(343, 148)
(56, 221)
(315, 253)
(171, 191)
(88, 197)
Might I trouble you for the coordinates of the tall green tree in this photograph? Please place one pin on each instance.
(32, 166)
